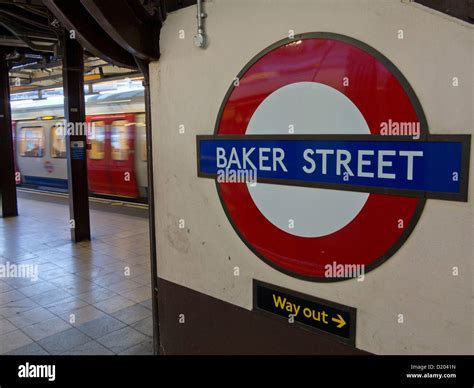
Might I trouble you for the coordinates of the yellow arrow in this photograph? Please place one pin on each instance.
(340, 320)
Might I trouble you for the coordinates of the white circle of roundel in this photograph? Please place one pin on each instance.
(307, 108)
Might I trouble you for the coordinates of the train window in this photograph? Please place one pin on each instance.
(141, 131)
(31, 142)
(97, 141)
(119, 140)
(58, 143)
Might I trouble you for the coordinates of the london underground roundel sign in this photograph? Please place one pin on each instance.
(322, 156)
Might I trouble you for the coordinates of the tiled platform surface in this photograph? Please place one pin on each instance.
(89, 298)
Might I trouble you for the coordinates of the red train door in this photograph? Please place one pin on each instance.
(97, 157)
(111, 156)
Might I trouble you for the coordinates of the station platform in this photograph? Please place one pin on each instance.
(90, 298)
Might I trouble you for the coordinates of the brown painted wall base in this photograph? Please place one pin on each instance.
(215, 327)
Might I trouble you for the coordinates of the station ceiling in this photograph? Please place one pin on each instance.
(116, 34)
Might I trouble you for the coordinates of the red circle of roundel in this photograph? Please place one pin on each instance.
(380, 92)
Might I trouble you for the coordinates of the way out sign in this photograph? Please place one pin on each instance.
(323, 160)
(306, 311)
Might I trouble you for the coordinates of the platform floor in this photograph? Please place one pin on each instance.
(88, 298)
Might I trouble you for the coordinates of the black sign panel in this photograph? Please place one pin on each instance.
(306, 311)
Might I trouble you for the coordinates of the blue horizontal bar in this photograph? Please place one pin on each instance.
(433, 166)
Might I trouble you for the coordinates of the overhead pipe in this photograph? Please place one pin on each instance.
(24, 18)
(16, 30)
(200, 39)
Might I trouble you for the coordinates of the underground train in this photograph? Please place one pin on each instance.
(116, 149)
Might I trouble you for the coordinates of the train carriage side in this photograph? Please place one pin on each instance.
(115, 144)
(116, 163)
(40, 149)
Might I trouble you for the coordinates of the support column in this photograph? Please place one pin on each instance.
(144, 68)
(8, 198)
(75, 115)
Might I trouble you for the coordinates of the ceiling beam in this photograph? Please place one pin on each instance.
(73, 16)
(128, 28)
